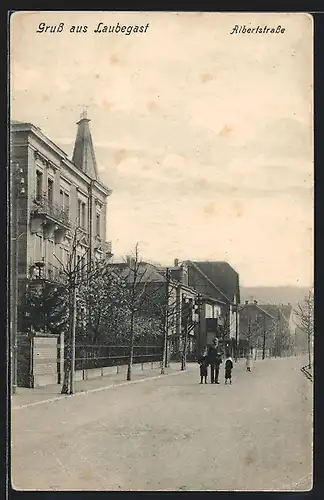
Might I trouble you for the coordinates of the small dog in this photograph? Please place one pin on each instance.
(203, 363)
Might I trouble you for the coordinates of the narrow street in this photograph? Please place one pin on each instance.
(173, 434)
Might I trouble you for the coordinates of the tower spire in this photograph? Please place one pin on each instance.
(83, 154)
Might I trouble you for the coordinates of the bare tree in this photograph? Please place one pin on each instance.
(105, 298)
(136, 279)
(76, 272)
(304, 314)
(162, 303)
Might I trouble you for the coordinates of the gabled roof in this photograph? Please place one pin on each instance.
(287, 311)
(147, 272)
(83, 154)
(257, 306)
(222, 276)
(271, 309)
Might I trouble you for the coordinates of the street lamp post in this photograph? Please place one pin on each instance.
(185, 343)
(73, 328)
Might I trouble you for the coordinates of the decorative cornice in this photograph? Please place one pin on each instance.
(66, 180)
(84, 193)
(44, 160)
(29, 127)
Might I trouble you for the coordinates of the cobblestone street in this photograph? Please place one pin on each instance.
(171, 433)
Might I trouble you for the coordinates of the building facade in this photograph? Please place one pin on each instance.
(57, 220)
(266, 327)
(62, 199)
(218, 283)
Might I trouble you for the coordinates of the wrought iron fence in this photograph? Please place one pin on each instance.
(99, 356)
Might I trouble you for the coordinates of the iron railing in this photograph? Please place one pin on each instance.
(41, 205)
(98, 356)
(46, 272)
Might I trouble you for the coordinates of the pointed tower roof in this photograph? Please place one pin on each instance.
(83, 154)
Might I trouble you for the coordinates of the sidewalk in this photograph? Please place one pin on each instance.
(31, 397)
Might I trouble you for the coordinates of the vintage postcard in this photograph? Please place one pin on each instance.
(161, 241)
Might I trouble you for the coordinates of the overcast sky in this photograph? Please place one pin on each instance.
(205, 137)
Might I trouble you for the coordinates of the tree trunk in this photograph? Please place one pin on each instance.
(184, 353)
(164, 363)
(131, 349)
(66, 379)
(67, 351)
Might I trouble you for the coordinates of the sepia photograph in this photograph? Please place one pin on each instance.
(161, 206)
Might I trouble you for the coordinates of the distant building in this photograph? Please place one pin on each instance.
(218, 282)
(165, 298)
(266, 326)
(59, 195)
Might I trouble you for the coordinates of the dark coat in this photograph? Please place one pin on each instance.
(213, 356)
(228, 366)
(203, 362)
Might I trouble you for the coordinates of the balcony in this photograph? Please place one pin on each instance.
(43, 272)
(49, 217)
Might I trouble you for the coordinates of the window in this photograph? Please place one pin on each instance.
(79, 265)
(58, 253)
(84, 267)
(39, 185)
(79, 212)
(50, 251)
(66, 203)
(83, 215)
(66, 258)
(50, 186)
(98, 224)
(65, 200)
(38, 249)
(50, 257)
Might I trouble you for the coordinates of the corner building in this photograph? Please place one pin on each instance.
(60, 196)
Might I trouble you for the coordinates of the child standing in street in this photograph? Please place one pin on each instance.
(203, 363)
(228, 369)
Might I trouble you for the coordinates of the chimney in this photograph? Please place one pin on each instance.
(184, 274)
(246, 302)
(176, 262)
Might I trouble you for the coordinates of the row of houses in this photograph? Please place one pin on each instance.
(53, 196)
(204, 303)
